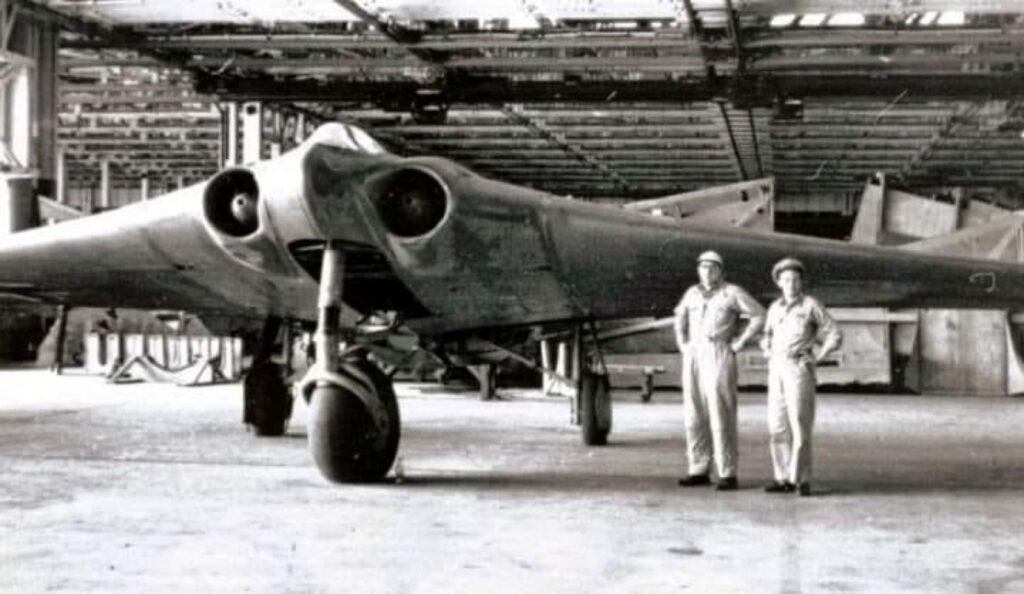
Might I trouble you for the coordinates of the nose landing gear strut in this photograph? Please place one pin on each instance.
(355, 427)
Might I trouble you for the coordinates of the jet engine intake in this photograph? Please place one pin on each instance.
(230, 202)
(411, 202)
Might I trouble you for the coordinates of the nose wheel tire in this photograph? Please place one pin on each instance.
(351, 443)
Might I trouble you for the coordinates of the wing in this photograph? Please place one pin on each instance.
(227, 245)
(446, 248)
(477, 253)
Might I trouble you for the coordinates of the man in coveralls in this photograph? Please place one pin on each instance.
(707, 324)
(795, 320)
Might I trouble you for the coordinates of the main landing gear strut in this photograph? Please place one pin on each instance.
(267, 400)
(354, 427)
(592, 406)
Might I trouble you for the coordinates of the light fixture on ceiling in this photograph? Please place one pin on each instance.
(928, 18)
(951, 18)
(911, 18)
(813, 19)
(782, 20)
(846, 19)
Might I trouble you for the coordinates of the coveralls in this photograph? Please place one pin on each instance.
(707, 322)
(789, 333)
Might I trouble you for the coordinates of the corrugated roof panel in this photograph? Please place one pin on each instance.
(258, 11)
(207, 11)
(452, 10)
(609, 9)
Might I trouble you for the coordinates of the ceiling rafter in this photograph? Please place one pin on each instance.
(732, 140)
(115, 39)
(697, 31)
(620, 93)
(947, 130)
(757, 145)
(389, 27)
(560, 141)
(733, 25)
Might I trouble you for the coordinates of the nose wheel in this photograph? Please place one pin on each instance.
(354, 426)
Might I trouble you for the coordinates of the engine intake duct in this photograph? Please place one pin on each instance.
(411, 202)
(230, 202)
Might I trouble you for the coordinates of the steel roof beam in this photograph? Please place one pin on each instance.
(446, 42)
(948, 129)
(334, 65)
(463, 89)
(475, 89)
(900, 8)
(697, 31)
(732, 142)
(402, 36)
(569, 148)
(885, 37)
(733, 25)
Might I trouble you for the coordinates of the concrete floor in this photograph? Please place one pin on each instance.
(155, 488)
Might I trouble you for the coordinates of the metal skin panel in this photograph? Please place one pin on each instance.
(501, 255)
(163, 254)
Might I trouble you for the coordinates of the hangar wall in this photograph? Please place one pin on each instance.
(28, 133)
(975, 352)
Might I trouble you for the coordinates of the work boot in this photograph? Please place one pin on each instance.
(695, 480)
(804, 489)
(728, 483)
(780, 487)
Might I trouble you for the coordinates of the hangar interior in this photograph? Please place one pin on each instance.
(876, 121)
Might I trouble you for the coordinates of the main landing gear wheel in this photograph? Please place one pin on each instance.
(355, 426)
(268, 403)
(595, 402)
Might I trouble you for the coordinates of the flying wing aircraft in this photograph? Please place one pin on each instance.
(340, 223)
